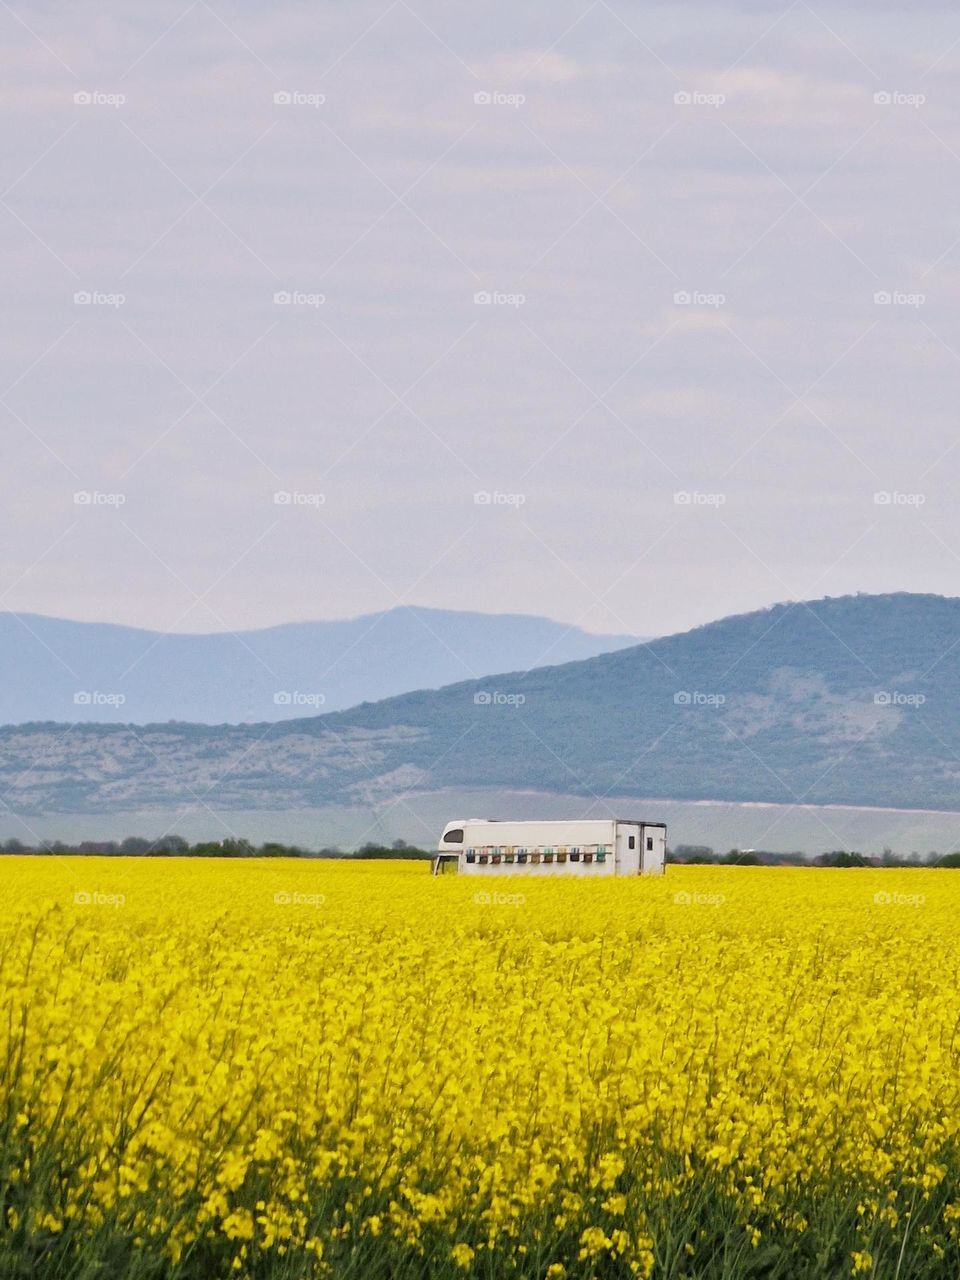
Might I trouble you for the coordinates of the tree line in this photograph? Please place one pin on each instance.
(703, 854)
(172, 846)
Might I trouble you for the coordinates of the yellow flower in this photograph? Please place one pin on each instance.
(593, 1241)
(293, 1054)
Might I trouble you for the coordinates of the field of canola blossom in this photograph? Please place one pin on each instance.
(291, 1069)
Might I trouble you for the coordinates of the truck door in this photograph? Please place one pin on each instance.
(653, 849)
(628, 848)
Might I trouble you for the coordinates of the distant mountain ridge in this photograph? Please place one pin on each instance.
(53, 669)
(839, 701)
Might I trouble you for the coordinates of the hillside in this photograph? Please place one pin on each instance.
(850, 701)
(55, 669)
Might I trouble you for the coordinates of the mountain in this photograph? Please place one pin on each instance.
(843, 701)
(88, 671)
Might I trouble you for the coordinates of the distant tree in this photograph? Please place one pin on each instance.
(273, 849)
(949, 860)
(170, 844)
(207, 849)
(135, 846)
(383, 851)
(229, 848)
(841, 858)
(693, 853)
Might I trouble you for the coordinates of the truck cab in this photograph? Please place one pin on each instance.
(449, 846)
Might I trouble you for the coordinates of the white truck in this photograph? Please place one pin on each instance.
(582, 847)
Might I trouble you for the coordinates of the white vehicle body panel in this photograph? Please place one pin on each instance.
(580, 847)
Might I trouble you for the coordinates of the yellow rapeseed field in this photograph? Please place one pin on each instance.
(297, 1068)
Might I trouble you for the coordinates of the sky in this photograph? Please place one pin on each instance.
(630, 316)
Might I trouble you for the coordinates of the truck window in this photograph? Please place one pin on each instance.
(631, 842)
(454, 836)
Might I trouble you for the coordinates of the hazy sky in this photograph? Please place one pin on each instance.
(814, 164)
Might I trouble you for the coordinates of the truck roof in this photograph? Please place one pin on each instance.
(556, 822)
